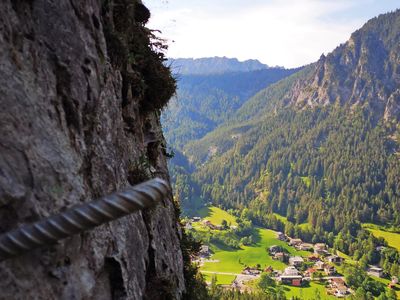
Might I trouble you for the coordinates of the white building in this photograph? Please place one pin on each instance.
(296, 261)
(290, 271)
(375, 271)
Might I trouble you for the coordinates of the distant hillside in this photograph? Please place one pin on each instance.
(203, 102)
(327, 137)
(213, 65)
(316, 154)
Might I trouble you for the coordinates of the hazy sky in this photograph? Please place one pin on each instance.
(287, 33)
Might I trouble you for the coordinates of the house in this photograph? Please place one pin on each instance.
(320, 249)
(319, 265)
(281, 256)
(296, 261)
(339, 287)
(375, 271)
(209, 225)
(305, 247)
(335, 259)
(395, 280)
(204, 251)
(294, 280)
(309, 272)
(269, 269)
(335, 282)
(329, 270)
(206, 222)
(274, 249)
(281, 236)
(295, 242)
(291, 276)
(290, 271)
(188, 226)
(380, 248)
(250, 271)
(196, 219)
(341, 291)
(313, 258)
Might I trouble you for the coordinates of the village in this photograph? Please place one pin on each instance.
(320, 265)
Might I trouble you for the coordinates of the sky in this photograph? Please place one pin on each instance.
(287, 33)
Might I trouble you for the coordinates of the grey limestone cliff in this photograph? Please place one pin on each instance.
(76, 123)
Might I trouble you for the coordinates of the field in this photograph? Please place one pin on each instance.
(234, 260)
(281, 218)
(215, 215)
(307, 293)
(221, 278)
(392, 238)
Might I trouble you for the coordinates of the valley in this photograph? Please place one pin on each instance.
(313, 155)
(227, 265)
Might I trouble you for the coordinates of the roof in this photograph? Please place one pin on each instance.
(296, 240)
(311, 270)
(328, 267)
(296, 258)
(375, 269)
(204, 248)
(291, 277)
(337, 280)
(290, 271)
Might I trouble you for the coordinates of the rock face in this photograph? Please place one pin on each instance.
(72, 128)
(364, 70)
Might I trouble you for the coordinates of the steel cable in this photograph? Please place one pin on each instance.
(82, 217)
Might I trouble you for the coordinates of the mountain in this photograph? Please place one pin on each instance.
(213, 65)
(319, 147)
(79, 120)
(203, 102)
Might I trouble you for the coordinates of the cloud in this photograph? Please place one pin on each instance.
(278, 32)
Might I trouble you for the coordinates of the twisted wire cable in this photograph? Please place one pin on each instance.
(82, 217)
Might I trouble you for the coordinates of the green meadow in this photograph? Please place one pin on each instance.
(234, 260)
(221, 278)
(308, 293)
(215, 215)
(392, 238)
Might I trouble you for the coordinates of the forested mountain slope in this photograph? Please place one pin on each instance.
(205, 101)
(321, 146)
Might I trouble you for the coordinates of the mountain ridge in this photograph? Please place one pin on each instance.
(214, 65)
(205, 101)
(294, 121)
